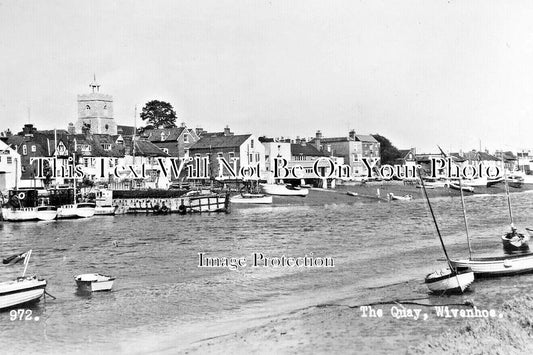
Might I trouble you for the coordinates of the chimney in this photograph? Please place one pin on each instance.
(199, 131)
(352, 134)
(298, 141)
(317, 139)
(183, 124)
(227, 131)
(71, 129)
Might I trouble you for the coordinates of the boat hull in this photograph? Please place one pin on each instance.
(46, 213)
(497, 266)
(19, 214)
(516, 242)
(282, 190)
(85, 210)
(251, 199)
(21, 291)
(446, 281)
(94, 282)
(105, 210)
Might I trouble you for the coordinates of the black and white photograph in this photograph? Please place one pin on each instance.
(266, 177)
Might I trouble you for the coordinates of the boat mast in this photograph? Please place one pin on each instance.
(74, 174)
(507, 193)
(465, 219)
(434, 220)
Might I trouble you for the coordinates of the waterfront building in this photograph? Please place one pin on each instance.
(10, 168)
(175, 141)
(244, 149)
(353, 148)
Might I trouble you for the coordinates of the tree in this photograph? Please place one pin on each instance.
(158, 114)
(388, 152)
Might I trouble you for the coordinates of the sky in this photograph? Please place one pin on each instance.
(458, 74)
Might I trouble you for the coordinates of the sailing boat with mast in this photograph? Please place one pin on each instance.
(72, 209)
(451, 279)
(489, 266)
(513, 240)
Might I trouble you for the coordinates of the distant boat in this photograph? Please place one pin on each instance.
(105, 210)
(249, 198)
(492, 182)
(513, 240)
(284, 190)
(463, 188)
(479, 182)
(46, 213)
(104, 203)
(393, 197)
(21, 206)
(94, 282)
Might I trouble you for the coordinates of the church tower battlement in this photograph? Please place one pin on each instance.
(95, 111)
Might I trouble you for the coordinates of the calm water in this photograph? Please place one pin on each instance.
(160, 291)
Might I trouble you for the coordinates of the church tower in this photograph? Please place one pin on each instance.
(95, 112)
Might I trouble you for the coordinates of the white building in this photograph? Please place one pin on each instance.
(10, 168)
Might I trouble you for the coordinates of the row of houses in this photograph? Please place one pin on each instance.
(18, 166)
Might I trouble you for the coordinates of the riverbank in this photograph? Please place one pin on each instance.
(324, 328)
(510, 335)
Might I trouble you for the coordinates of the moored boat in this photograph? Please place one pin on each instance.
(449, 281)
(463, 188)
(284, 190)
(94, 282)
(249, 198)
(515, 241)
(46, 213)
(105, 210)
(85, 209)
(21, 206)
(393, 197)
(24, 289)
(497, 265)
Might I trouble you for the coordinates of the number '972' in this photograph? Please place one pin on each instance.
(20, 314)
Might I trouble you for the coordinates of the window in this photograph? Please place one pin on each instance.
(252, 143)
(251, 157)
(33, 148)
(185, 138)
(9, 160)
(87, 107)
(165, 150)
(231, 155)
(163, 136)
(256, 156)
(24, 150)
(106, 146)
(86, 162)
